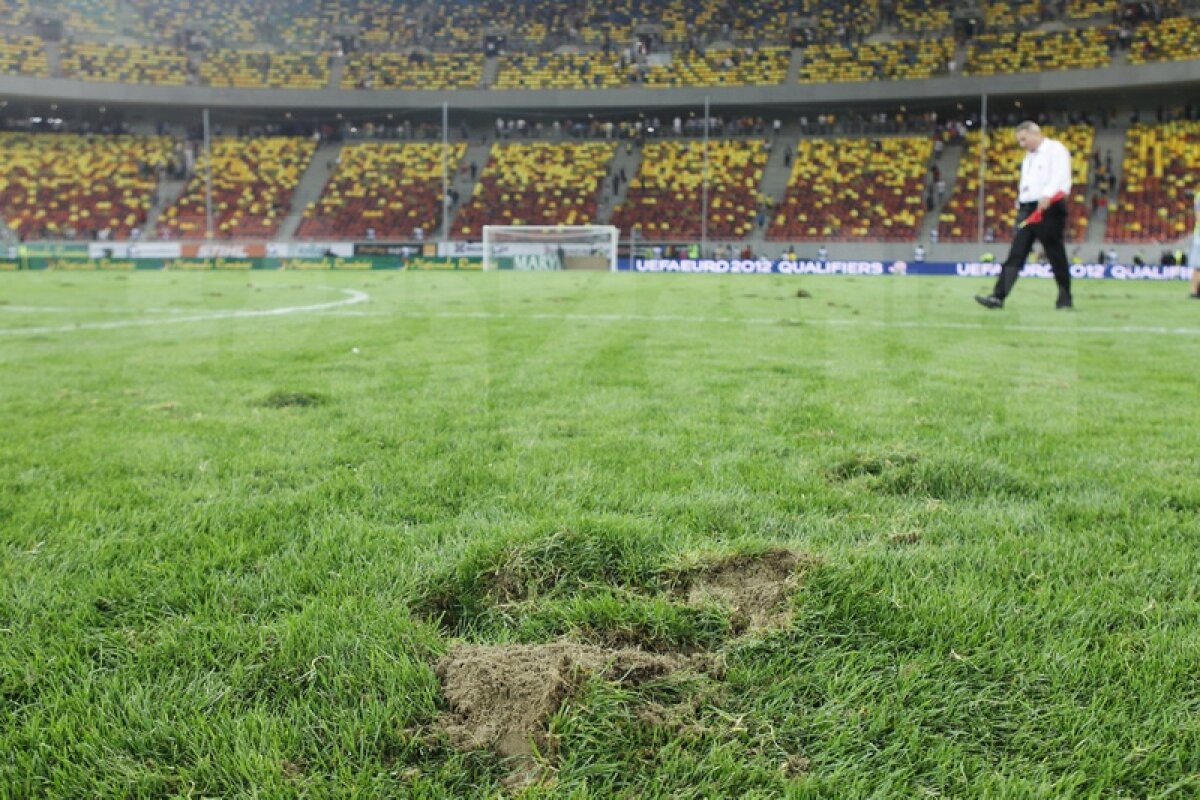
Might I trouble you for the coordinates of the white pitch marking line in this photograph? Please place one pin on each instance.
(336, 313)
(964, 326)
(80, 310)
(354, 297)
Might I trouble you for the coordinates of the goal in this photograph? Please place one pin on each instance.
(540, 248)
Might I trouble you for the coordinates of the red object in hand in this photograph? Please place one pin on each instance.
(1036, 216)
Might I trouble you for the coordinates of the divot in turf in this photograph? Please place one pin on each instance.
(502, 697)
(755, 587)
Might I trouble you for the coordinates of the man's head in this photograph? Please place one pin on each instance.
(1029, 135)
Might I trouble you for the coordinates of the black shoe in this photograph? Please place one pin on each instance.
(1064, 302)
(989, 301)
(1194, 296)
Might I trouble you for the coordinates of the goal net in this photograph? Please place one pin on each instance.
(540, 248)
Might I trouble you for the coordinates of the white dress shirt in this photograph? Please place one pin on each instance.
(1194, 256)
(1045, 172)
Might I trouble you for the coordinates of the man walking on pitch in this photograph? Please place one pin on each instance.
(1194, 256)
(1042, 214)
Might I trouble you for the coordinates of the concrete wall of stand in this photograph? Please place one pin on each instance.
(1134, 81)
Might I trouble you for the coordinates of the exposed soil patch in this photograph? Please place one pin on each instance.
(755, 587)
(502, 697)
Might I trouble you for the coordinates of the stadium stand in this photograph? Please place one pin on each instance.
(23, 55)
(230, 23)
(664, 201)
(541, 22)
(298, 71)
(833, 19)
(1036, 51)
(1160, 177)
(718, 67)
(125, 63)
(758, 22)
(764, 21)
(253, 181)
(16, 12)
(535, 21)
(854, 189)
(561, 71)
(382, 188)
(1174, 39)
(69, 186)
(763, 67)
(537, 183)
(87, 16)
(456, 25)
(77, 16)
(408, 71)
(959, 220)
(235, 68)
(1087, 9)
(394, 24)
(906, 59)
(1005, 15)
(307, 25)
(460, 24)
(248, 69)
(923, 15)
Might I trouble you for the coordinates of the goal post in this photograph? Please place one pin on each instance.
(542, 248)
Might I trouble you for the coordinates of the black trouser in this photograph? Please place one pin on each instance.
(1050, 233)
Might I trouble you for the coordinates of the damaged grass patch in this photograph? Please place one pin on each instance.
(940, 477)
(755, 587)
(870, 464)
(501, 698)
(292, 400)
(560, 565)
(620, 619)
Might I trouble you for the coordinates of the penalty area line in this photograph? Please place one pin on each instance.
(353, 297)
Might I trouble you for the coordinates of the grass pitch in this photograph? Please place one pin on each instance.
(242, 516)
